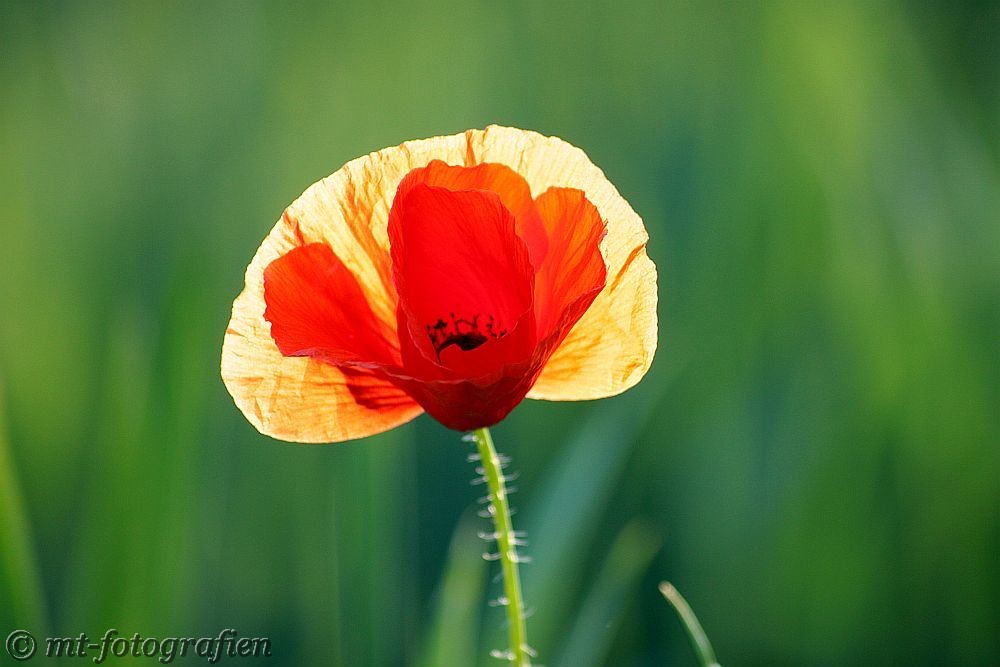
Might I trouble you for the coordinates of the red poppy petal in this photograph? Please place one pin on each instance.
(463, 276)
(316, 308)
(371, 390)
(513, 190)
(466, 405)
(574, 270)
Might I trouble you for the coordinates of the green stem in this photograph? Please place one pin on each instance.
(499, 509)
(699, 640)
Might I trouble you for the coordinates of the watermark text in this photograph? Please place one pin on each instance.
(21, 645)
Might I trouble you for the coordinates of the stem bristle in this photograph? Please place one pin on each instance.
(507, 541)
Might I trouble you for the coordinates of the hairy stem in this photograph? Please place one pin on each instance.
(506, 541)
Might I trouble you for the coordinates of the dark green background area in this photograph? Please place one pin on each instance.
(812, 460)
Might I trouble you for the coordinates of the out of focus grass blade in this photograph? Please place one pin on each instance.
(699, 640)
(563, 521)
(598, 619)
(453, 635)
(109, 576)
(20, 586)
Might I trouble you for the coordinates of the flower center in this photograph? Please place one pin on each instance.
(467, 334)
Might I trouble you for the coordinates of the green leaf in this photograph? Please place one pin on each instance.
(563, 521)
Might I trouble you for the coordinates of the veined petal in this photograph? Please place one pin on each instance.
(317, 309)
(573, 272)
(512, 189)
(464, 281)
(612, 345)
(302, 399)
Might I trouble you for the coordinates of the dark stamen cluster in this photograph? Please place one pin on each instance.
(467, 334)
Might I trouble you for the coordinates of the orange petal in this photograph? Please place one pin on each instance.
(316, 309)
(573, 270)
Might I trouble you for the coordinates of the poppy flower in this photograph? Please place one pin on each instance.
(455, 276)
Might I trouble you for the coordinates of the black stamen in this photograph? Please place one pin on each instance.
(466, 334)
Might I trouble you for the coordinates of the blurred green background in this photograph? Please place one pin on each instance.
(813, 459)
